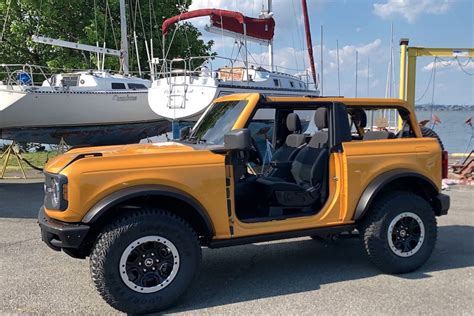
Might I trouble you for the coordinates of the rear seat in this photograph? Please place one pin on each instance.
(374, 135)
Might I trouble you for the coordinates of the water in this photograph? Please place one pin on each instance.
(452, 130)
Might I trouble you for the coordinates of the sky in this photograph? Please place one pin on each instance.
(364, 26)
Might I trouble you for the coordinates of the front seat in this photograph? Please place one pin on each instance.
(309, 170)
(293, 141)
(283, 156)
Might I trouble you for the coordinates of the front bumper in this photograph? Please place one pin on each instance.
(58, 235)
(441, 204)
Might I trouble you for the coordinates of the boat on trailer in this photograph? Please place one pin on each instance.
(183, 88)
(94, 107)
(85, 107)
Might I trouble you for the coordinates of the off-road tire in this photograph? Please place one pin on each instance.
(374, 228)
(428, 132)
(115, 238)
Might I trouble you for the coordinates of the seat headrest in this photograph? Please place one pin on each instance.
(359, 117)
(376, 135)
(321, 118)
(293, 122)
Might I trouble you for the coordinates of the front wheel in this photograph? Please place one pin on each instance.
(399, 233)
(144, 261)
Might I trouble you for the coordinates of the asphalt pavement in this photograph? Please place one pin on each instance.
(298, 276)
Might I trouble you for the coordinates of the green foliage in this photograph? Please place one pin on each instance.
(89, 22)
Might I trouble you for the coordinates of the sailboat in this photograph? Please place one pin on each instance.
(183, 88)
(93, 107)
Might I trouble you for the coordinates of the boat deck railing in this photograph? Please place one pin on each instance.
(24, 76)
(203, 66)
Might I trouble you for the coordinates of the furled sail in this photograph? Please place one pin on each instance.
(233, 23)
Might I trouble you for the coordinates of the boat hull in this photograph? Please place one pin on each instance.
(57, 108)
(90, 135)
(186, 98)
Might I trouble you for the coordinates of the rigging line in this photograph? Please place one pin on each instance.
(5, 22)
(141, 18)
(433, 92)
(151, 19)
(427, 86)
(185, 28)
(39, 17)
(462, 67)
(105, 21)
(300, 36)
(96, 24)
(469, 60)
(111, 23)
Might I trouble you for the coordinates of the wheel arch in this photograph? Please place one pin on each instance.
(400, 179)
(173, 200)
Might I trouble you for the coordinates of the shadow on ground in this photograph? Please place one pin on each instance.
(259, 271)
(20, 200)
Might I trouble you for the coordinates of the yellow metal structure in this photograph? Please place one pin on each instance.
(408, 58)
(11, 152)
(203, 174)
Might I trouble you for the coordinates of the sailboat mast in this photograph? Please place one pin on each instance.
(270, 44)
(309, 42)
(123, 35)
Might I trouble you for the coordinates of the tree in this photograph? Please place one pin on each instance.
(89, 22)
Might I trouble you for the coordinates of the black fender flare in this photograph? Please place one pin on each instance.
(380, 182)
(117, 197)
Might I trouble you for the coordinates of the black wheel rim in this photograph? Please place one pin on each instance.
(149, 264)
(406, 234)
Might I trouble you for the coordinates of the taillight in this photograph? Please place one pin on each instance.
(444, 164)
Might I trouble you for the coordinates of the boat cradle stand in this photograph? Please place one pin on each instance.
(12, 152)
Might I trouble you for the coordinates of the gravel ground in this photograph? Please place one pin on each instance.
(298, 276)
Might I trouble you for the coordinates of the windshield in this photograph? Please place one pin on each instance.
(217, 121)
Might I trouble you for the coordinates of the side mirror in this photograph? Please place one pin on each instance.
(238, 139)
(184, 132)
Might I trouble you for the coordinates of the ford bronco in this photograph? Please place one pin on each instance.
(254, 168)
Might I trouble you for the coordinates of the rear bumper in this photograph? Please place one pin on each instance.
(58, 235)
(441, 204)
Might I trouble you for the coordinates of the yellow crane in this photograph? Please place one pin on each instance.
(408, 56)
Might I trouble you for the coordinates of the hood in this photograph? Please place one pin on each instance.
(60, 162)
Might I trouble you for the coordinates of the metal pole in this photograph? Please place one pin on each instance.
(338, 72)
(368, 76)
(322, 63)
(246, 52)
(138, 55)
(403, 67)
(309, 43)
(124, 39)
(270, 44)
(403, 78)
(357, 66)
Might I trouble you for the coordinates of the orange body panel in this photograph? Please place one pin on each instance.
(202, 173)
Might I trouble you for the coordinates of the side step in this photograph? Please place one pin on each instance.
(284, 235)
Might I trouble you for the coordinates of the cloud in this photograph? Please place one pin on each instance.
(347, 53)
(410, 9)
(451, 64)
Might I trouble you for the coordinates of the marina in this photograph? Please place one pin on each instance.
(218, 157)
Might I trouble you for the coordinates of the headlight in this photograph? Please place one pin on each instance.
(54, 190)
(55, 186)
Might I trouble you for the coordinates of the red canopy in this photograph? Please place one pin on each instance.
(228, 20)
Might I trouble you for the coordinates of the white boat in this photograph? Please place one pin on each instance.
(92, 107)
(182, 89)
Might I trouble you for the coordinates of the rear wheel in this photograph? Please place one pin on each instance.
(143, 262)
(399, 232)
